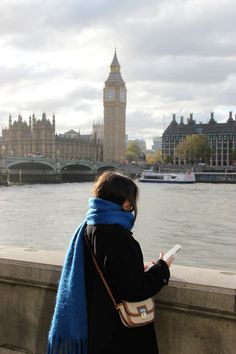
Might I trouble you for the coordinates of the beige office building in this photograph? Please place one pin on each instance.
(114, 101)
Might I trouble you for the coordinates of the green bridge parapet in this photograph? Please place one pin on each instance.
(195, 314)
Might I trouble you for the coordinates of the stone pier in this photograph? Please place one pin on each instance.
(195, 314)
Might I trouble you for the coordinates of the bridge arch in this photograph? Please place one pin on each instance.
(105, 167)
(30, 171)
(77, 172)
(26, 164)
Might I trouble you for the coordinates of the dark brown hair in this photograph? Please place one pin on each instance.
(116, 188)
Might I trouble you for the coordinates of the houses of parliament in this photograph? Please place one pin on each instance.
(106, 142)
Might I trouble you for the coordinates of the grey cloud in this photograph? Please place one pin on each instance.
(184, 29)
(19, 17)
(3, 119)
(83, 107)
(40, 24)
(84, 92)
(152, 28)
(72, 100)
(227, 97)
(139, 120)
(40, 73)
(24, 73)
(226, 94)
(74, 14)
(182, 55)
(182, 69)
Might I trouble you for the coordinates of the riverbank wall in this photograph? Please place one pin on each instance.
(195, 313)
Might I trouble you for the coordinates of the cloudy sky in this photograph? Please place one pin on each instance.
(176, 56)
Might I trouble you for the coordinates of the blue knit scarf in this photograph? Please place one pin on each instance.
(69, 328)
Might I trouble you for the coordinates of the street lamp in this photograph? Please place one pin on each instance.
(3, 148)
(2, 157)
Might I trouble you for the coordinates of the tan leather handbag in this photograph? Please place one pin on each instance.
(132, 314)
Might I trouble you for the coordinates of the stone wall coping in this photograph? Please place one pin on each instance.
(211, 292)
(30, 257)
(203, 276)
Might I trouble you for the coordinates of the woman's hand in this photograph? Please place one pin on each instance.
(168, 261)
(148, 265)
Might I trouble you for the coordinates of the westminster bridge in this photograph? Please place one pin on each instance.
(45, 170)
(38, 169)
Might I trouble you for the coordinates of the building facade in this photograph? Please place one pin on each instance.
(107, 142)
(38, 138)
(114, 101)
(157, 143)
(35, 138)
(221, 138)
(75, 146)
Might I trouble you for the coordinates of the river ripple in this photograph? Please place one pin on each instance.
(201, 217)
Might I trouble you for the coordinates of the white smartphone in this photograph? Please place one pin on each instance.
(171, 252)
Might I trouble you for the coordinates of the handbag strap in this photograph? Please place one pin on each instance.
(100, 272)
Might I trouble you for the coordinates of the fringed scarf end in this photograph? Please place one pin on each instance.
(59, 345)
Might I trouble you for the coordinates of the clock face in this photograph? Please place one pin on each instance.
(110, 95)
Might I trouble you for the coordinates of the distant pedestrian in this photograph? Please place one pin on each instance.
(85, 320)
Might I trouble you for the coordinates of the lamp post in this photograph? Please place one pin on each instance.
(3, 148)
(58, 170)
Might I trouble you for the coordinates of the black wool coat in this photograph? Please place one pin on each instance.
(121, 260)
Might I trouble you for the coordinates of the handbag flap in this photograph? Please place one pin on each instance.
(135, 308)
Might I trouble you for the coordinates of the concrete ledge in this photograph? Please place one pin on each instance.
(32, 255)
(195, 314)
(202, 290)
(30, 267)
(11, 351)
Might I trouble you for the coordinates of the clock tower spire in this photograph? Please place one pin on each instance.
(114, 101)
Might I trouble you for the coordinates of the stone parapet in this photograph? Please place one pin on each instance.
(195, 314)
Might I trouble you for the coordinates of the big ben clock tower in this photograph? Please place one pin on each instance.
(114, 101)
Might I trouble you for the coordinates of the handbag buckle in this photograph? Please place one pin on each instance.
(143, 313)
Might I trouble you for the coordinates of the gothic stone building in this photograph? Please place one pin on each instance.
(73, 145)
(106, 143)
(221, 138)
(39, 138)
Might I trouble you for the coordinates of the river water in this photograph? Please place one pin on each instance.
(201, 217)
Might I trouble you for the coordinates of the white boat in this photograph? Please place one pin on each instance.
(150, 176)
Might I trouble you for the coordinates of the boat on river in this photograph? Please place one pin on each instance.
(150, 176)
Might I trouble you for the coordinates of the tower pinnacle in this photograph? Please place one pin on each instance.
(115, 75)
(115, 65)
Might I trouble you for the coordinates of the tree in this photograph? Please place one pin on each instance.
(168, 159)
(133, 151)
(193, 149)
(154, 158)
(131, 156)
